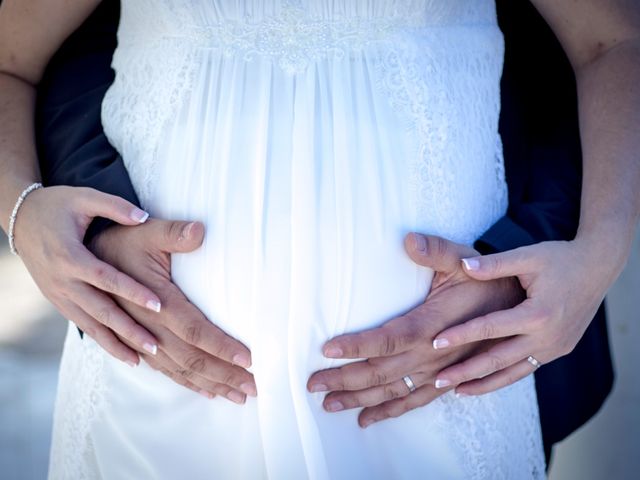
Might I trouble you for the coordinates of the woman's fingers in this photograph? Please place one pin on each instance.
(94, 203)
(497, 358)
(109, 279)
(107, 313)
(101, 334)
(523, 318)
(497, 380)
(499, 265)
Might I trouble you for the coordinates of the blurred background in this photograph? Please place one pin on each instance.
(31, 336)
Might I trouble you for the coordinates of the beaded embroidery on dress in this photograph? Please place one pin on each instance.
(309, 136)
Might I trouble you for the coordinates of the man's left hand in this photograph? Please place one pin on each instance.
(404, 345)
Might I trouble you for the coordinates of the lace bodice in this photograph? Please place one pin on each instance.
(437, 61)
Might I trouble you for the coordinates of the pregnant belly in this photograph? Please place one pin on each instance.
(305, 210)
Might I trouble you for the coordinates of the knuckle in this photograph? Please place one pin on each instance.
(128, 332)
(390, 393)
(195, 363)
(172, 231)
(104, 316)
(185, 372)
(487, 328)
(497, 363)
(192, 333)
(377, 377)
(105, 278)
(387, 344)
(230, 378)
(437, 246)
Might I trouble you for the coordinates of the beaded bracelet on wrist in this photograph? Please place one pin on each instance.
(14, 214)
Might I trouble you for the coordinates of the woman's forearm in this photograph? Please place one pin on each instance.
(609, 104)
(18, 161)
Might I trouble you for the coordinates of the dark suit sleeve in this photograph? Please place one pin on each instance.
(543, 165)
(72, 147)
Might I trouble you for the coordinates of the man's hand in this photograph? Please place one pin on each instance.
(404, 346)
(563, 295)
(192, 351)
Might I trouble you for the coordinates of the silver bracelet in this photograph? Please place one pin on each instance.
(14, 214)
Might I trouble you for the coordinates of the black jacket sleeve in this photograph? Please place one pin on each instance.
(72, 147)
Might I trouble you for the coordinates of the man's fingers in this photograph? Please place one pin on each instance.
(394, 337)
(358, 375)
(399, 406)
(106, 312)
(189, 324)
(176, 236)
(497, 358)
(504, 323)
(435, 252)
(98, 204)
(101, 334)
(197, 383)
(110, 280)
(370, 397)
(193, 363)
(497, 380)
(498, 265)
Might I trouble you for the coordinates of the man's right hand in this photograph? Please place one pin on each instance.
(192, 351)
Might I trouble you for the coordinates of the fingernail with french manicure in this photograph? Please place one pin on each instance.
(319, 387)
(442, 383)
(440, 343)
(139, 215)
(152, 349)
(461, 395)
(154, 306)
(335, 406)
(471, 264)
(333, 352)
(131, 364)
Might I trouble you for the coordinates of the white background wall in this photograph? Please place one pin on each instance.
(31, 335)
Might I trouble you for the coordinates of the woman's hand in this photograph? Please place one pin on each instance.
(565, 283)
(49, 233)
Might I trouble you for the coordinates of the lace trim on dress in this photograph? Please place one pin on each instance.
(415, 74)
(77, 408)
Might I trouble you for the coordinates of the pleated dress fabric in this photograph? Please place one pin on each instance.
(309, 137)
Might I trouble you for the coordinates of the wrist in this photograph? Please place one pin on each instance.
(22, 197)
(9, 196)
(608, 249)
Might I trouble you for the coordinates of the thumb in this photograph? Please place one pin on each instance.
(498, 265)
(434, 252)
(177, 236)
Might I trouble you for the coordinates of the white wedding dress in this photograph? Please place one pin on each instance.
(309, 136)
